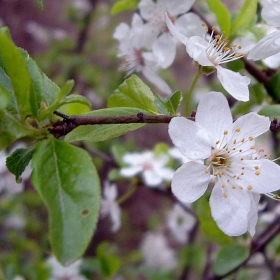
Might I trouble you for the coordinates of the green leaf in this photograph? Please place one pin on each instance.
(16, 70)
(58, 101)
(245, 15)
(109, 264)
(222, 14)
(68, 183)
(43, 92)
(133, 93)
(40, 4)
(18, 160)
(229, 257)
(170, 104)
(75, 98)
(11, 129)
(209, 227)
(271, 111)
(4, 97)
(96, 133)
(124, 5)
(273, 87)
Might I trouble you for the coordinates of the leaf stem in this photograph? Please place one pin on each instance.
(188, 101)
(131, 190)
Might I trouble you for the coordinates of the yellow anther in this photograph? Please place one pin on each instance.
(257, 173)
(223, 185)
(242, 158)
(251, 138)
(203, 24)
(252, 147)
(225, 195)
(240, 150)
(225, 132)
(242, 173)
(256, 167)
(237, 129)
(234, 187)
(249, 187)
(241, 188)
(243, 140)
(243, 168)
(217, 142)
(234, 141)
(216, 173)
(206, 171)
(261, 150)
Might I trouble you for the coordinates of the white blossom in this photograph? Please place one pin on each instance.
(156, 252)
(152, 167)
(270, 44)
(59, 272)
(213, 52)
(109, 206)
(228, 151)
(180, 222)
(138, 54)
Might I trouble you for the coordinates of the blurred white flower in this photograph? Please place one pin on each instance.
(152, 167)
(59, 272)
(156, 252)
(227, 149)
(180, 223)
(177, 155)
(14, 222)
(109, 206)
(270, 44)
(138, 54)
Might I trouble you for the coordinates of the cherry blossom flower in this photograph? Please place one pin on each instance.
(156, 252)
(138, 54)
(270, 44)
(109, 206)
(59, 272)
(151, 166)
(180, 222)
(154, 14)
(230, 163)
(213, 52)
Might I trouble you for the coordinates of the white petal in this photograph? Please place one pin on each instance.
(147, 8)
(165, 173)
(177, 7)
(121, 31)
(253, 213)
(164, 49)
(115, 216)
(151, 178)
(231, 212)
(190, 25)
(130, 171)
(213, 113)
(250, 124)
(273, 61)
(110, 191)
(263, 180)
(267, 46)
(196, 48)
(175, 32)
(271, 12)
(157, 81)
(234, 83)
(190, 182)
(190, 138)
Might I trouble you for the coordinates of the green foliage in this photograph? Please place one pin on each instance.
(109, 263)
(18, 160)
(96, 133)
(229, 257)
(123, 5)
(273, 87)
(222, 14)
(40, 3)
(169, 105)
(68, 183)
(208, 225)
(18, 75)
(271, 111)
(245, 15)
(4, 98)
(133, 93)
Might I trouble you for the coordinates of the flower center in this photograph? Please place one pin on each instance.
(132, 61)
(218, 51)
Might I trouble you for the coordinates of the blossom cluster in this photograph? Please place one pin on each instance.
(219, 153)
